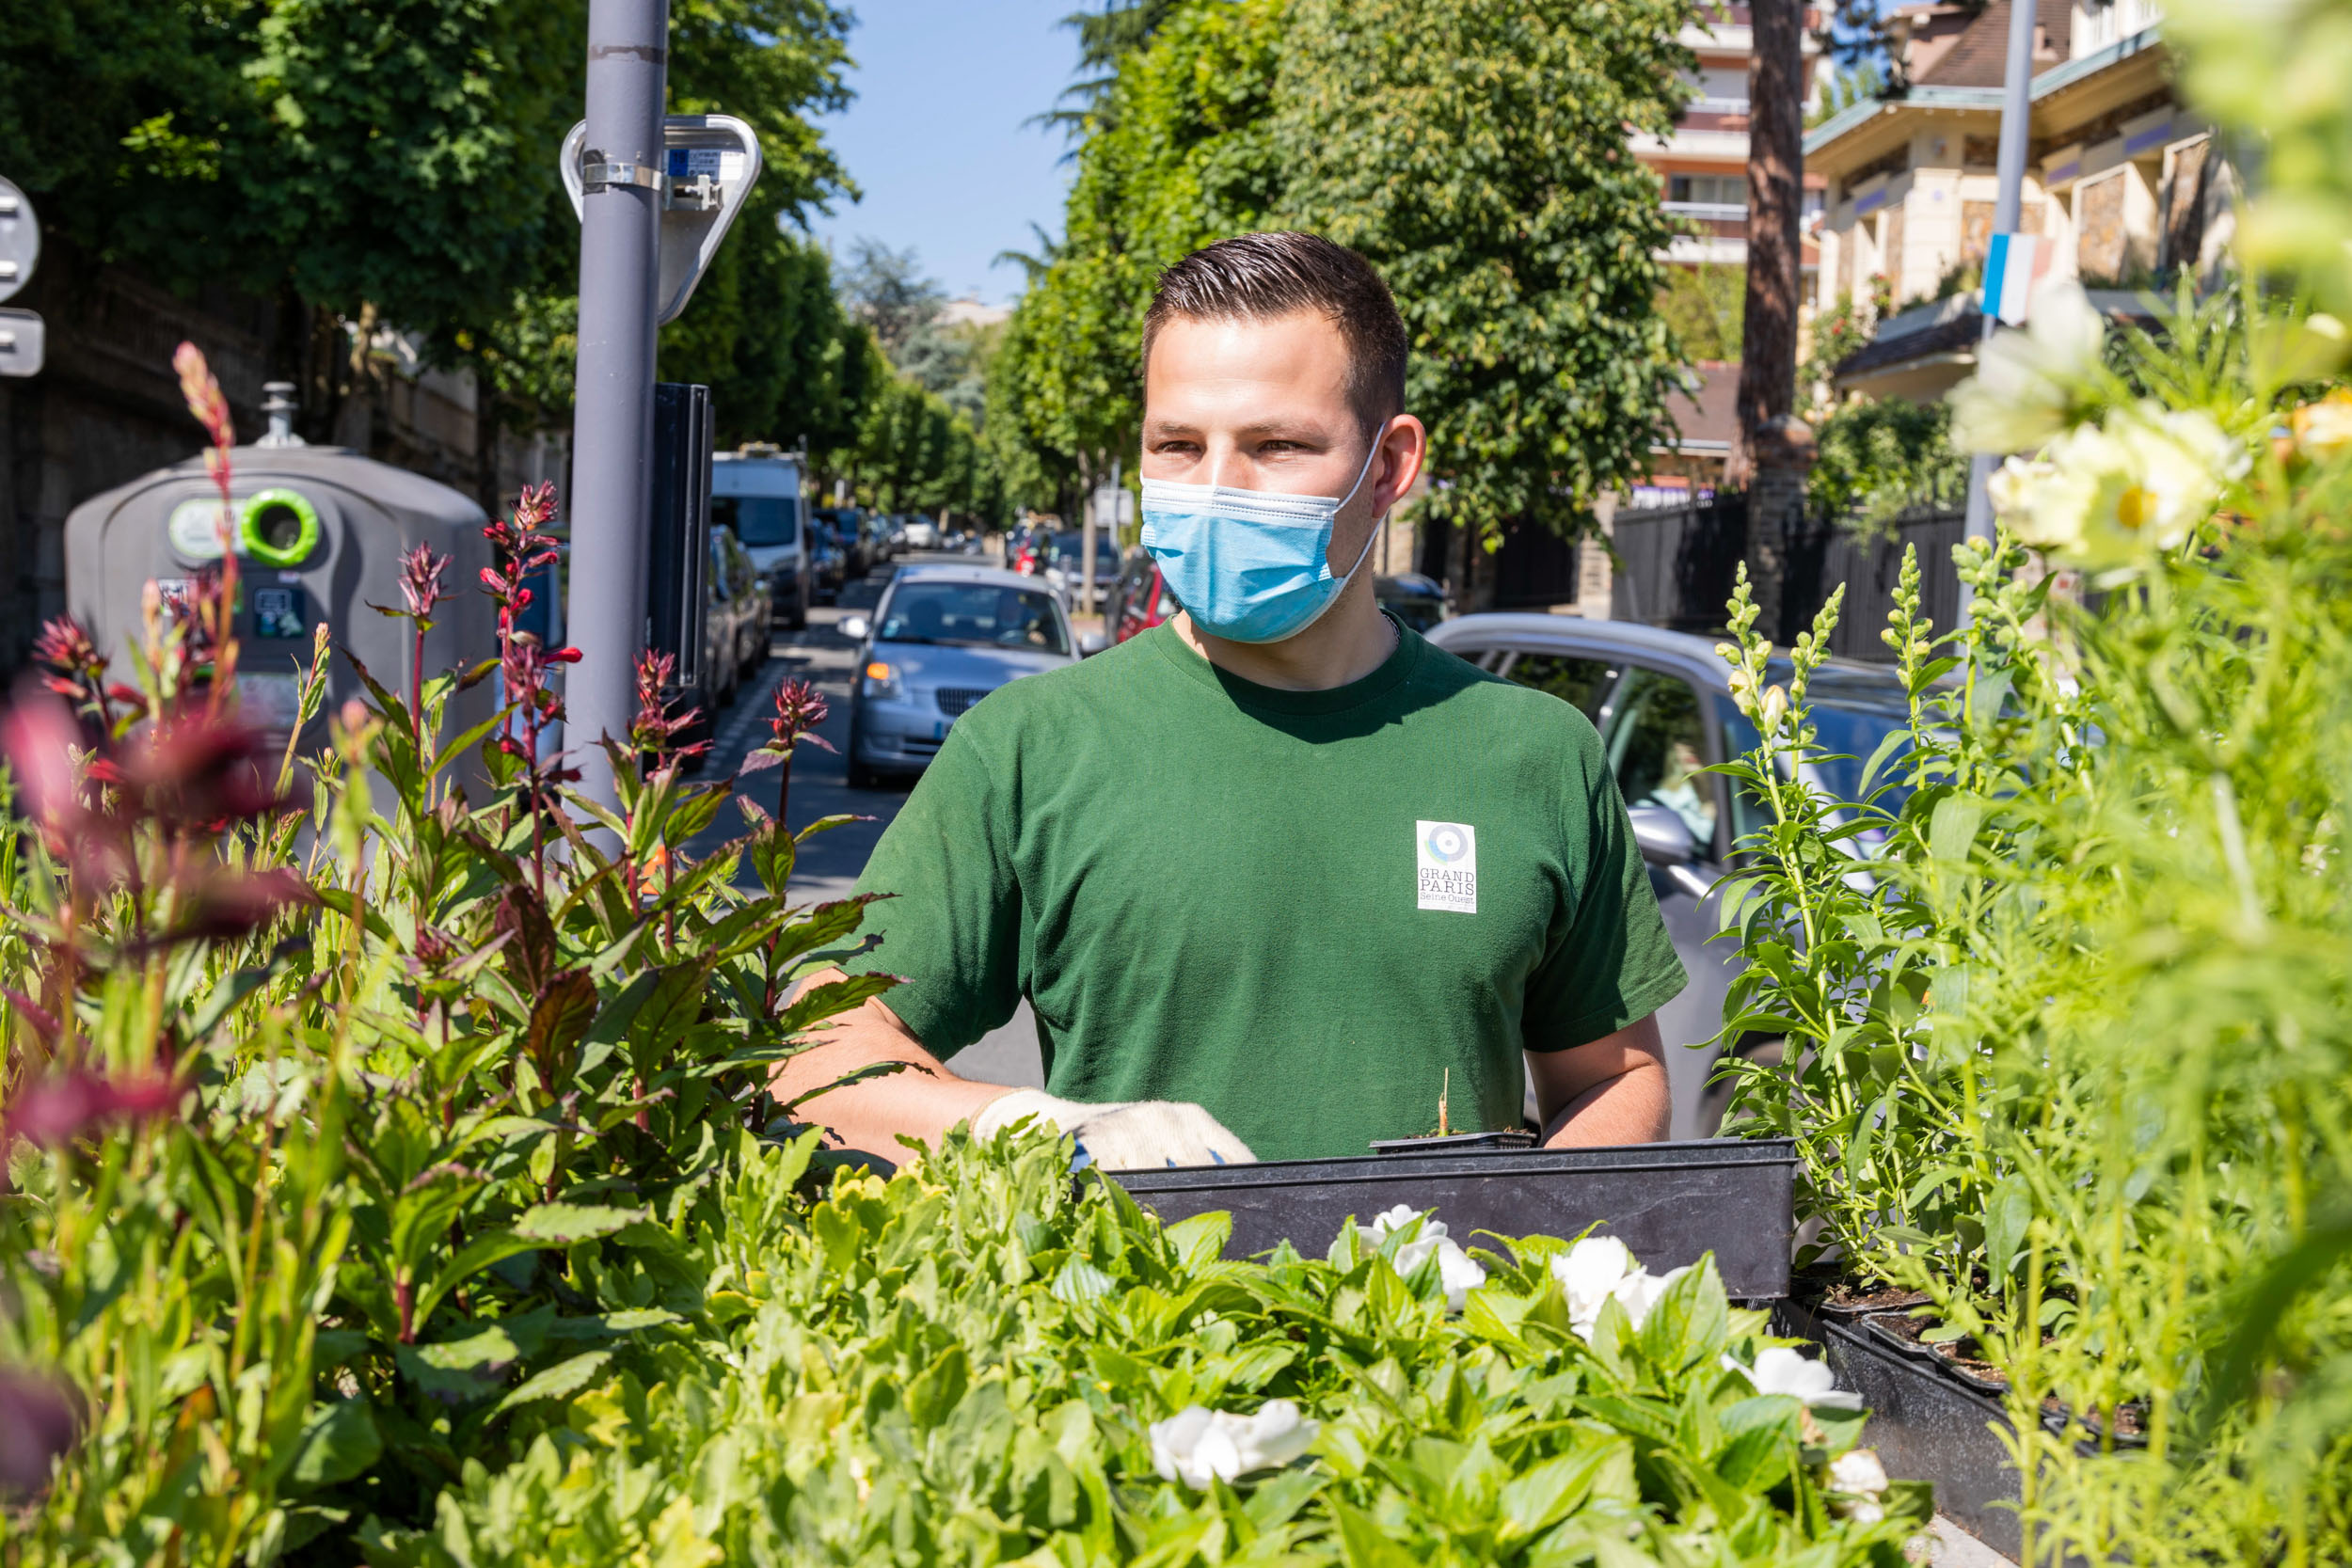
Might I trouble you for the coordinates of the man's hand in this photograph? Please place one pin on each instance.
(1138, 1134)
(1611, 1090)
(926, 1098)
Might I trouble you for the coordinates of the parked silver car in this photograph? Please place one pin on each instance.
(944, 637)
(1662, 704)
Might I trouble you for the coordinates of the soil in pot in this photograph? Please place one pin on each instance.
(2131, 1425)
(1856, 1298)
(1903, 1331)
(1964, 1360)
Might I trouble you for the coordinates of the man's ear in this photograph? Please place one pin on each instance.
(1403, 447)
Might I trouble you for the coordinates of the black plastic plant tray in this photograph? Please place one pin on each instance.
(1669, 1203)
(1924, 1424)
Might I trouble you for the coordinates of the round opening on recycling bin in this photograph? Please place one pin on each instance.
(278, 527)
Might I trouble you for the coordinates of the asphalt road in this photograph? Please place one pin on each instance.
(829, 863)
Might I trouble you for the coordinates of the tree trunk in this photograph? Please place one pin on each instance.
(1768, 355)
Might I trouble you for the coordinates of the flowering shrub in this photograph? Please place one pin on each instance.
(2065, 988)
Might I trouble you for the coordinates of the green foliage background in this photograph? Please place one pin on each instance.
(1478, 155)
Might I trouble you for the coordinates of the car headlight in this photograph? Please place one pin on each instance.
(882, 682)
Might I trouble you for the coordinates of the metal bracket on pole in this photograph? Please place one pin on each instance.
(711, 163)
(596, 174)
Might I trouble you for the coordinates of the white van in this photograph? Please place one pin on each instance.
(756, 495)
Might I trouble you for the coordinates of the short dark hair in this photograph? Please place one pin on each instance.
(1260, 277)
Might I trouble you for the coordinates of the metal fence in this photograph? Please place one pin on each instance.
(1675, 567)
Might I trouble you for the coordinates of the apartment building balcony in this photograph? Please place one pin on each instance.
(1715, 114)
(1713, 218)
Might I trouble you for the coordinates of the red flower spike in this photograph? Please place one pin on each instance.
(420, 587)
(799, 708)
(37, 1425)
(48, 1112)
(39, 736)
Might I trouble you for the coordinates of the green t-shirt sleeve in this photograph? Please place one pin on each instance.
(1610, 962)
(953, 929)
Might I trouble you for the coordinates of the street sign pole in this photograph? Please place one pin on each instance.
(623, 179)
(2008, 208)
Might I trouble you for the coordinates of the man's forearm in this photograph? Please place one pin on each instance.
(1611, 1090)
(1633, 1107)
(921, 1100)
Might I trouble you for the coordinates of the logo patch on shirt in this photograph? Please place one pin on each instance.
(1445, 856)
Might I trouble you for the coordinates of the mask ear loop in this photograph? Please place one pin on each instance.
(1374, 534)
(1363, 555)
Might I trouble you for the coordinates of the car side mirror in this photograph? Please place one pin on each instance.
(856, 628)
(1090, 644)
(1663, 838)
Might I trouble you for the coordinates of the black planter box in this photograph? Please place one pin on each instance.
(1670, 1203)
(1925, 1425)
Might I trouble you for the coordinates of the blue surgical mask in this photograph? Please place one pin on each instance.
(1249, 565)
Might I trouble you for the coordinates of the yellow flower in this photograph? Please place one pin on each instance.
(2108, 495)
(2324, 429)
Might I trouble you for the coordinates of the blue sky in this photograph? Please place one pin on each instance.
(935, 138)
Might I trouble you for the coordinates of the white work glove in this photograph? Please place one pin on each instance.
(1131, 1134)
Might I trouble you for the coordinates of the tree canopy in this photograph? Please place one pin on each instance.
(1477, 155)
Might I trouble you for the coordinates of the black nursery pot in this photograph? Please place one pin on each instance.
(1671, 1204)
(1923, 1421)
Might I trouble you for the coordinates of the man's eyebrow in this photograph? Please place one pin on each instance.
(1299, 430)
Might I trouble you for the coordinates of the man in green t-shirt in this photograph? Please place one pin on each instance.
(1274, 874)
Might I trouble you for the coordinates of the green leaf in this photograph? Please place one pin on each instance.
(1551, 1492)
(2008, 1213)
(1952, 830)
(560, 1225)
(1081, 1281)
(338, 1442)
(1200, 1240)
(557, 1381)
(1364, 1545)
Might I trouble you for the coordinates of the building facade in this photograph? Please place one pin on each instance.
(2123, 186)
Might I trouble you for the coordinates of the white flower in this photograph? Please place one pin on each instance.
(1779, 1370)
(2018, 398)
(1600, 1267)
(1457, 1271)
(1196, 1443)
(1588, 1271)
(1857, 1474)
(1638, 1292)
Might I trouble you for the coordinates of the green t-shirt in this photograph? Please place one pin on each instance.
(1298, 909)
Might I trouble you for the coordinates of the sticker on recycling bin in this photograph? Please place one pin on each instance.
(717, 162)
(277, 612)
(195, 527)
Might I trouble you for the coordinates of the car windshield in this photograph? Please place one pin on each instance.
(762, 522)
(973, 615)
